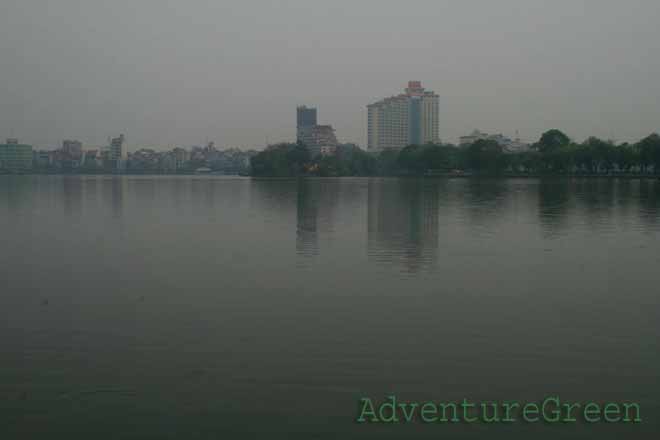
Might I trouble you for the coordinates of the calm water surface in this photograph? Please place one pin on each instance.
(207, 308)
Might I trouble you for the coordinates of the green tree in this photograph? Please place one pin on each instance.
(418, 159)
(486, 156)
(438, 157)
(411, 160)
(552, 140)
(626, 157)
(649, 152)
(601, 154)
(282, 160)
(386, 163)
(355, 161)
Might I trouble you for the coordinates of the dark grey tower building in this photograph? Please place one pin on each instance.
(305, 120)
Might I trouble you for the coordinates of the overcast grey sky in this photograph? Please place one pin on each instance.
(179, 72)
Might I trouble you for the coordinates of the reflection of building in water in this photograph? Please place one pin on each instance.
(316, 204)
(72, 194)
(403, 223)
(116, 196)
(307, 212)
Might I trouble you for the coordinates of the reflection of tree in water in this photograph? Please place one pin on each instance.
(596, 199)
(554, 199)
(597, 203)
(482, 200)
(626, 195)
(649, 202)
(403, 222)
(316, 203)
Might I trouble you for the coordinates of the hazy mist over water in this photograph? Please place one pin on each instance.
(192, 307)
(171, 73)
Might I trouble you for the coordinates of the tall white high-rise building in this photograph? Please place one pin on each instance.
(113, 156)
(117, 148)
(410, 118)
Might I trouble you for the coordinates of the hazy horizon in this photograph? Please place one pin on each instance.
(170, 73)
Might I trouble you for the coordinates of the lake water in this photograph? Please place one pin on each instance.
(229, 308)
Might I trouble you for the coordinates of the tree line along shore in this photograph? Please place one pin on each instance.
(554, 154)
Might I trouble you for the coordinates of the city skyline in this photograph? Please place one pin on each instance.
(180, 74)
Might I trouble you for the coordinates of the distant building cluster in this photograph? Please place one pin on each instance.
(508, 144)
(410, 118)
(72, 157)
(198, 160)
